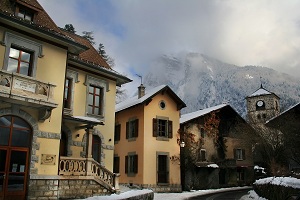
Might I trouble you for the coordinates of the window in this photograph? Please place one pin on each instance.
(116, 168)
(240, 174)
(67, 94)
(162, 104)
(95, 99)
(131, 164)
(117, 132)
(25, 13)
(19, 61)
(202, 132)
(162, 127)
(21, 54)
(239, 154)
(202, 155)
(95, 96)
(132, 128)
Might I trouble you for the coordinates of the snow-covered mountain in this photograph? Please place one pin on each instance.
(201, 81)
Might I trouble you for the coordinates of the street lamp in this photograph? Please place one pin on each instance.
(182, 165)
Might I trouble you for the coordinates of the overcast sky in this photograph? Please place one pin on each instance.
(256, 32)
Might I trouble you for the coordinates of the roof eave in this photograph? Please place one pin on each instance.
(42, 32)
(120, 79)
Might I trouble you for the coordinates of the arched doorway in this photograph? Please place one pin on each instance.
(15, 143)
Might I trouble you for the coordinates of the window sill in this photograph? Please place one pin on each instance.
(163, 184)
(131, 174)
(131, 139)
(159, 138)
(100, 117)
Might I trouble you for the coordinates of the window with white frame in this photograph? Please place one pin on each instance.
(21, 54)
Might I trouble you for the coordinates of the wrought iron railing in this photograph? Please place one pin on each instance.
(69, 166)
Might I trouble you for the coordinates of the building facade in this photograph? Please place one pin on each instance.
(262, 105)
(145, 139)
(219, 153)
(57, 109)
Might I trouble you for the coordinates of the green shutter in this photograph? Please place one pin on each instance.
(154, 127)
(136, 123)
(126, 164)
(135, 168)
(170, 129)
(127, 130)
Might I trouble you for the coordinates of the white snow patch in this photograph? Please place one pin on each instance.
(284, 181)
(213, 165)
(91, 119)
(249, 76)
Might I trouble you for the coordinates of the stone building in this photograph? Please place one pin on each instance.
(222, 156)
(57, 119)
(262, 105)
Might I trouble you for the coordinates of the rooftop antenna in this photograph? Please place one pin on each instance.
(141, 77)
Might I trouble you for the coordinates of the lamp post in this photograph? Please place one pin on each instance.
(182, 165)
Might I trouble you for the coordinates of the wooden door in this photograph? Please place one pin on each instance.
(15, 142)
(163, 172)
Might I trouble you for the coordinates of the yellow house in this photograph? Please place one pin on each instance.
(57, 112)
(221, 154)
(145, 139)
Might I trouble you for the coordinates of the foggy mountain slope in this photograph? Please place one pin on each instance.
(203, 82)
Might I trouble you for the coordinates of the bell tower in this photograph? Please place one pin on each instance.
(262, 105)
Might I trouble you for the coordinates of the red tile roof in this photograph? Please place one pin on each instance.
(43, 20)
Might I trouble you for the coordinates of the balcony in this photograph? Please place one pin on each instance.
(27, 91)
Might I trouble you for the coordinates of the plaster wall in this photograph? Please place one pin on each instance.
(153, 145)
(124, 146)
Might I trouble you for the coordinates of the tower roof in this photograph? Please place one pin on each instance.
(261, 91)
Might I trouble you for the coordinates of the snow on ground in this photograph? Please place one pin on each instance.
(178, 196)
(284, 181)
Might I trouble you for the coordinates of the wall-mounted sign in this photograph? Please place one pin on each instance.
(48, 159)
(24, 85)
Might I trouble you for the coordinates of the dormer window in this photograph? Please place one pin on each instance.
(25, 14)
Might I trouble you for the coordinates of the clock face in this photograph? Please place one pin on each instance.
(260, 103)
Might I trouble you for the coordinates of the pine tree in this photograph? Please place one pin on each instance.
(89, 36)
(69, 28)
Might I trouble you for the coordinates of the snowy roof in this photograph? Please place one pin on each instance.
(292, 107)
(84, 120)
(187, 117)
(152, 92)
(261, 91)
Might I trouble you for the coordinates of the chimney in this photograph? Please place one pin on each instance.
(141, 91)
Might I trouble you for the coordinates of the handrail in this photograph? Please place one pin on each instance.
(69, 166)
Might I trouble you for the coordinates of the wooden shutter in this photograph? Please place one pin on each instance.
(136, 123)
(244, 154)
(154, 127)
(235, 153)
(116, 164)
(127, 130)
(126, 164)
(135, 162)
(170, 129)
(117, 132)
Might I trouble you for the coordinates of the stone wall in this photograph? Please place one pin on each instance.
(54, 188)
(160, 188)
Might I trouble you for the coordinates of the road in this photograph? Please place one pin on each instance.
(231, 195)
